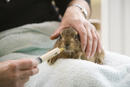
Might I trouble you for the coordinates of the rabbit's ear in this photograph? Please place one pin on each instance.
(76, 32)
(77, 35)
(61, 32)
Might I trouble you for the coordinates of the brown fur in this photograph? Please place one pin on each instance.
(69, 39)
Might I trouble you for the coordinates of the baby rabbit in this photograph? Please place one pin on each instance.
(69, 39)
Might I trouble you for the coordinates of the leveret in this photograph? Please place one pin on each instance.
(70, 40)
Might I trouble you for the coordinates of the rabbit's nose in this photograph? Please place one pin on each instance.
(66, 46)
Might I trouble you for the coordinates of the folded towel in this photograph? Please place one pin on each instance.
(32, 40)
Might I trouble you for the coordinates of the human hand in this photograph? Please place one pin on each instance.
(90, 40)
(15, 73)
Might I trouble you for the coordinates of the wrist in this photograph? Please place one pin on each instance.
(81, 9)
(75, 11)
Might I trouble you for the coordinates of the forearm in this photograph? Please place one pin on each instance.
(82, 3)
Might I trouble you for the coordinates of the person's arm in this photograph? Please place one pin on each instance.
(15, 73)
(73, 17)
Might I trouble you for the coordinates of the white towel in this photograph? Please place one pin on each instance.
(80, 73)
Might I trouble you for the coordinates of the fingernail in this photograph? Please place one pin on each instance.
(52, 34)
(99, 51)
(35, 63)
(37, 70)
(83, 48)
(87, 56)
(92, 55)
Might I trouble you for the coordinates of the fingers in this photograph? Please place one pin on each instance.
(89, 43)
(27, 68)
(63, 25)
(17, 72)
(56, 33)
(99, 46)
(93, 41)
(29, 72)
(94, 44)
(82, 32)
(27, 63)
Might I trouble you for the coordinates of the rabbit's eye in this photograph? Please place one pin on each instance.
(60, 37)
(76, 36)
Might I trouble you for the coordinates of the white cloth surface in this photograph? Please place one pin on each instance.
(32, 40)
(80, 73)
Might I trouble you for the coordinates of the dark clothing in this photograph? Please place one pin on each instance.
(19, 12)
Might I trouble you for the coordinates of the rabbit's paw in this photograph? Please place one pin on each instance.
(51, 61)
(99, 61)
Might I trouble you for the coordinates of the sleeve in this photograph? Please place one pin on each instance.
(62, 5)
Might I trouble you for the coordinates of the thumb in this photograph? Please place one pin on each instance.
(56, 33)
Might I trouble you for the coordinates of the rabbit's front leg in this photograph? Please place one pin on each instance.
(52, 60)
(99, 61)
(99, 57)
